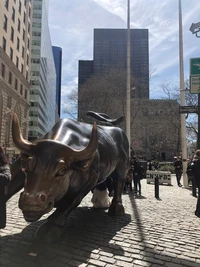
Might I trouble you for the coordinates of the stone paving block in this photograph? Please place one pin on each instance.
(107, 260)
(97, 263)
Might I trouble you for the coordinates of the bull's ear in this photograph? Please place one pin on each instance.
(83, 165)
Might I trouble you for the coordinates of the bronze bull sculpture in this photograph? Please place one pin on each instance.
(63, 166)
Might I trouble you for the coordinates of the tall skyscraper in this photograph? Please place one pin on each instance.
(15, 54)
(57, 53)
(110, 51)
(43, 74)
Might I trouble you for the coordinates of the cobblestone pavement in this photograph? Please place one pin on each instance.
(153, 232)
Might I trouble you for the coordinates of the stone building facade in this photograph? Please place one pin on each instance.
(15, 55)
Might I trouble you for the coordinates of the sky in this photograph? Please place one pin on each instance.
(72, 23)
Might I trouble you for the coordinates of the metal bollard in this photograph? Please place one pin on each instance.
(194, 188)
(156, 182)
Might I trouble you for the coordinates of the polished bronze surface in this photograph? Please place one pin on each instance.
(63, 166)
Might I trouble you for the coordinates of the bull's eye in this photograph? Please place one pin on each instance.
(61, 172)
(81, 164)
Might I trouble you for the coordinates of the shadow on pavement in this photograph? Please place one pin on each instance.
(86, 232)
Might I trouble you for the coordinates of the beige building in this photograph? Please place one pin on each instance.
(15, 55)
(155, 124)
(155, 129)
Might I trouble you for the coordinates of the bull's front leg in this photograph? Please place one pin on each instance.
(116, 207)
(51, 230)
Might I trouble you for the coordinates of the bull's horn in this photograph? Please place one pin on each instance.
(90, 149)
(22, 144)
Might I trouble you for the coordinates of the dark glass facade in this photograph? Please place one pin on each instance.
(110, 50)
(85, 70)
(57, 54)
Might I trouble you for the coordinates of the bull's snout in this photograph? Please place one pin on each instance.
(34, 205)
(38, 200)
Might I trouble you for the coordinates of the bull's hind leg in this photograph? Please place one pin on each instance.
(116, 207)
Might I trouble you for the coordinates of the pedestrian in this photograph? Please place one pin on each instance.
(137, 175)
(5, 177)
(196, 173)
(150, 165)
(178, 170)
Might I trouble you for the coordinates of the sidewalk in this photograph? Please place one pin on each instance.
(153, 232)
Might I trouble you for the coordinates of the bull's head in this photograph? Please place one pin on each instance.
(49, 167)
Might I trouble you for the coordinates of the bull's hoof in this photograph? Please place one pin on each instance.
(116, 209)
(49, 233)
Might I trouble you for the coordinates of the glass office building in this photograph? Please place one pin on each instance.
(43, 75)
(110, 50)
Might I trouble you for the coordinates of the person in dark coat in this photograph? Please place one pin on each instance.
(196, 173)
(137, 175)
(5, 177)
(178, 170)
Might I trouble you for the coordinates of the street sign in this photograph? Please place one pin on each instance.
(195, 66)
(194, 84)
(195, 75)
(188, 109)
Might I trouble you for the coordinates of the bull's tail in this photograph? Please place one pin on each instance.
(105, 118)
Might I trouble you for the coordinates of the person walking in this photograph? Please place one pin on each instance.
(5, 177)
(178, 170)
(137, 175)
(196, 173)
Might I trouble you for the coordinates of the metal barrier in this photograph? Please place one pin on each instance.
(163, 177)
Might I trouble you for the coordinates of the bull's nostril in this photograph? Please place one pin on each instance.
(42, 197)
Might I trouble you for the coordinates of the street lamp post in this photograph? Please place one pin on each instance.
(182, 96)
(128, 89)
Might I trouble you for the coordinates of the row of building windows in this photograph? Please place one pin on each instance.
(17, 58)
(13, 81)
(12, 32)
(19, 6)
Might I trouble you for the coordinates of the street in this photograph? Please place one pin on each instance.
(153, 232)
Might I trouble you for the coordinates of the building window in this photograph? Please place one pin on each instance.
(27, 60)
(10, 77)
(11, 54)
(22, 68)
(19, 25)
(16, 84)
(28, 44)
(4, 44)
(22, 52)
(27, 75)
(13, 14)
(29, 27)
(25, 94)
(20, 7)
(3, 70)
(17, 62)
(9, 102)
(23, 36)
(18, 43)
(24, 20)
(6, 4)
(21, 89)
(29, 12)
(12, 34)
(5, 23)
